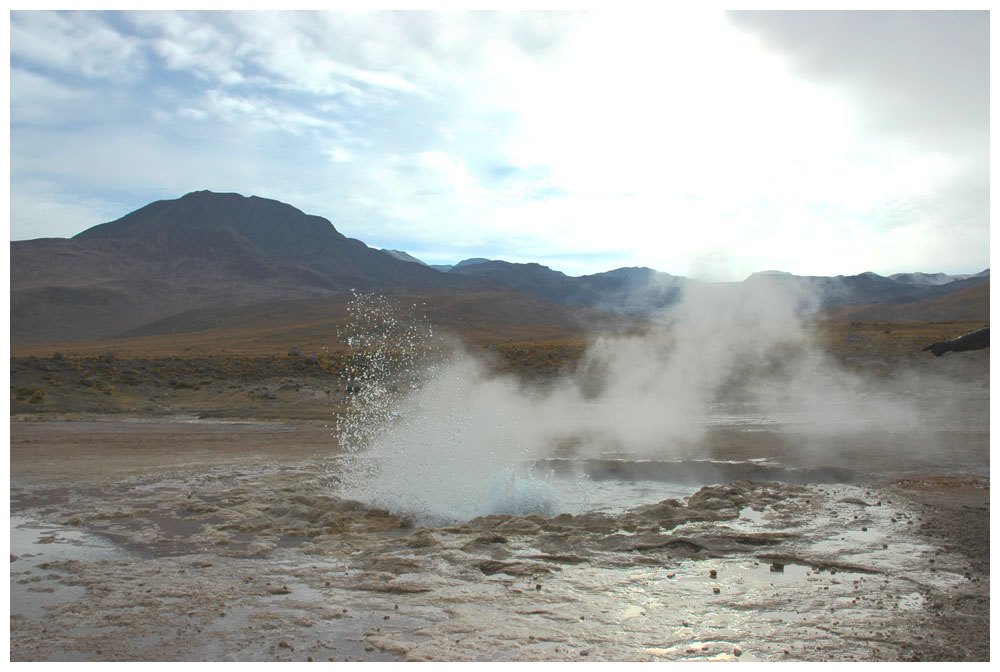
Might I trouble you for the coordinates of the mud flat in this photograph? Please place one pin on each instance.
(186, 540)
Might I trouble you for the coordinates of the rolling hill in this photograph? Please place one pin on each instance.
(969, 304)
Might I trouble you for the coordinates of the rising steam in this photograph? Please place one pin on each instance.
(434, 435)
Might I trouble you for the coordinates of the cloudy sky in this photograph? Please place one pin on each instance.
(705, 144)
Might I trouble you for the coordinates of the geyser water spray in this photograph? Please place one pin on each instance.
(429, 435)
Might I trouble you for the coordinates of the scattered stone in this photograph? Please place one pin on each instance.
(737, 651)
(777, 567)
(713, 574)
(285, 645)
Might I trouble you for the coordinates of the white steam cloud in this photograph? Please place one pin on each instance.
(457, 446)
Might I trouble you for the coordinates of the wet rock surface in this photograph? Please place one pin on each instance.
(265, 562)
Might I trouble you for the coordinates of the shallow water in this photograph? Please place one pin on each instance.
(37, 548)
(271, 566)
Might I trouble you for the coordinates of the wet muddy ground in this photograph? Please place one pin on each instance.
(227, 541)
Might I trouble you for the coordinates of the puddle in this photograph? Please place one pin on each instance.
(33, 589)
(582, 494)
(333, 633)
(749, 514)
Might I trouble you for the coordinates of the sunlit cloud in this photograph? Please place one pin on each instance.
(691, 142)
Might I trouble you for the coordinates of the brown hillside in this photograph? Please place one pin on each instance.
(972, 304)
(315, 325)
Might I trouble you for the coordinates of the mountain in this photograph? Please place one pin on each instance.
(934, 278)
(204, 250)
(624, 290)
(640, 291)
(969, 305)
(205, 234)
(826, 292)
(444, 268)
(180, 265)
(403, 256)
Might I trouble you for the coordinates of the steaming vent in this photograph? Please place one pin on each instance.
(729, 386)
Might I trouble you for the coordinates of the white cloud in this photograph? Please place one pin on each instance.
(672, 140)
(38, 99)
(76, 43)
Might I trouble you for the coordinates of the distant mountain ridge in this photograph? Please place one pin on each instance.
(206, 251)
(641, 290)
(935, 278)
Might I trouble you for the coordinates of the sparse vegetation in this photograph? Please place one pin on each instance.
(315, 385)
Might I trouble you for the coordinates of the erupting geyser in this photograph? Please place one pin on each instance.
(432, 435)
(427, 436)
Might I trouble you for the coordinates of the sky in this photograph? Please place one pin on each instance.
(702, 143)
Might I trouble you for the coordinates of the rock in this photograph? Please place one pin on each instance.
(491, 539)
(737, 651)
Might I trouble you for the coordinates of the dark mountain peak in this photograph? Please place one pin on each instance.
(260, 220)
(470, 262)
(634, 273)
(222, 228)
(507, 270)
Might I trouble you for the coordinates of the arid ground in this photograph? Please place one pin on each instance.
(183, 505)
